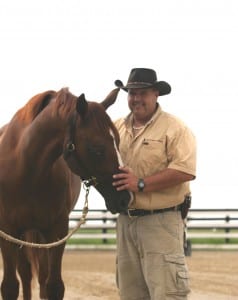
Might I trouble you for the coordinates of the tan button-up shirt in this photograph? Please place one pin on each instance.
(165, 142)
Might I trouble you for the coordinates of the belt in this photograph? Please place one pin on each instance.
(133, 212)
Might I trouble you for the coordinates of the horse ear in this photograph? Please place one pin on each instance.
(82, 105)
(110, 99)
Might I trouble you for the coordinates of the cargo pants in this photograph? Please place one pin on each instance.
(150, 257)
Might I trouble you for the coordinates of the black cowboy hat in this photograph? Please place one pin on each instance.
(141, 78)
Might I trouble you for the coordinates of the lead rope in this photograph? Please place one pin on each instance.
(59, 242)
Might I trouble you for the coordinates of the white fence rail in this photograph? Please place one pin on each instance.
(210, 224)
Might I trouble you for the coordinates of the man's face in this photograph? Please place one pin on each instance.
(142, 102)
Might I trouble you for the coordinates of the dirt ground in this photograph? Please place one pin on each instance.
(89, 275)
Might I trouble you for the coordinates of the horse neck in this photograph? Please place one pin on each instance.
(39, 145)
(44, 144)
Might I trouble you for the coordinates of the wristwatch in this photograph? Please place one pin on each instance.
(140, 184)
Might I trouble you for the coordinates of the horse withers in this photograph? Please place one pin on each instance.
(38, 187)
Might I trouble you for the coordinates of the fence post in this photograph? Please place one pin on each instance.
(227, 230)
(104, 230)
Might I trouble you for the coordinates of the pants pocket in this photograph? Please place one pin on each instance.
(177, 277)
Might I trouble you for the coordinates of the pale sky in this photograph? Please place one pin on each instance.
(86, 45)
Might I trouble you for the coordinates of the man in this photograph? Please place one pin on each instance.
(159, 154)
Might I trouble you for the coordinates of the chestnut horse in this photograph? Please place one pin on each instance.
(55, 135)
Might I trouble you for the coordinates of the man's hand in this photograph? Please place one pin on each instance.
(125, 180)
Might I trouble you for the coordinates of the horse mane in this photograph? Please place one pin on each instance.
(23, 117)
(34, 106)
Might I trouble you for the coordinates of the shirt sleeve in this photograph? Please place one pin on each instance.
(181, 150)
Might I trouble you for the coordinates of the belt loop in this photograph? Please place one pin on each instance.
(128, 212)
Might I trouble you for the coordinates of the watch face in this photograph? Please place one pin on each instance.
(141, 185)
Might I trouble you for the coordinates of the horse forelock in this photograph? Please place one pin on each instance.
(64, 90)
(68, 100)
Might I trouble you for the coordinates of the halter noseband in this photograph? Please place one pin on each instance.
(70, 149)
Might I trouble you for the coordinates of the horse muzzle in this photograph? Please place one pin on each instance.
(115, 201)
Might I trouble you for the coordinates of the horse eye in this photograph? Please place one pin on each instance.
(97, 151)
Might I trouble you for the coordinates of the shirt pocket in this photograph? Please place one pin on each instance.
(153, 154)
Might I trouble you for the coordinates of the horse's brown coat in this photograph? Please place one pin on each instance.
(38, 189)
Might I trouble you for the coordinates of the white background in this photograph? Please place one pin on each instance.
(86, 45)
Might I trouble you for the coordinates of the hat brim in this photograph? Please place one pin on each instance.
(162, 86)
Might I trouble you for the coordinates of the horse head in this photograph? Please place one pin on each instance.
(91, 149)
